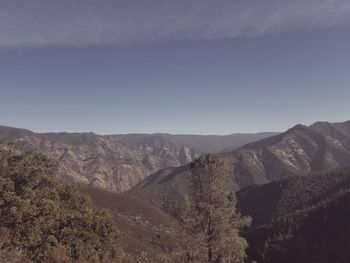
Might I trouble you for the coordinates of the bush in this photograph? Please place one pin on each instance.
(8, 253)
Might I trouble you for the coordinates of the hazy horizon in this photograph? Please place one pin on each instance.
(152, 133)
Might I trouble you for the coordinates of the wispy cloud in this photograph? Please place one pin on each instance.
(102, 22)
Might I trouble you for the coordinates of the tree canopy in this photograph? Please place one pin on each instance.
(43, 213)
(211, 214)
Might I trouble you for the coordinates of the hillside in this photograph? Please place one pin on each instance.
(42, 214)
(51, 221)
(118, 162)
(299, 219)
(299, 151)
(146, 233)
(279, 198)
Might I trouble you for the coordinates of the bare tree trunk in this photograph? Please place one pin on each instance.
(210, 250)
(210, 255)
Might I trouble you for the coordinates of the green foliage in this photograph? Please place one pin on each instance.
(42, 212)
(212, 218)
(302, 192)
(317, 234)
(9, 253)
(191, 239)
(310, 222)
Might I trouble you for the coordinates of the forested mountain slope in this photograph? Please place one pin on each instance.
(299, 219)
(147, 234)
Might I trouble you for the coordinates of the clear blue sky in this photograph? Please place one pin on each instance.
(192, 75)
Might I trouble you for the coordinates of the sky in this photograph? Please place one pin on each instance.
(184, 66)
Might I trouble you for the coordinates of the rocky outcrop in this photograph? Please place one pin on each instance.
(102, 161)
(117, 162)
(299, 151)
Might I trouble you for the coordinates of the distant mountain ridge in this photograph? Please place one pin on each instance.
(299, 151)
(118, 162)
(202, 143)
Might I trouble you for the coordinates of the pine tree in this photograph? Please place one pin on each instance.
(213, 211)
(191, 240)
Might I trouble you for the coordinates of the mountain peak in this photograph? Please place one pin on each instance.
(298, 127)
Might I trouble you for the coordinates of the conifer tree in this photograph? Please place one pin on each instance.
(214, 216)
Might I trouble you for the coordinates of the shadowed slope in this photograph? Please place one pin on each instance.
(299, 219)
(145, 231)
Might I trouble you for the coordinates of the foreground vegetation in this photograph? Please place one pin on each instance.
(45, 218)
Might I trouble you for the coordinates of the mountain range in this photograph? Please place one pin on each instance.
(299, 151)
(118, 162)
(294, 185)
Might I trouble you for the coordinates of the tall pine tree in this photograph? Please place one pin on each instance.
(212, 211)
